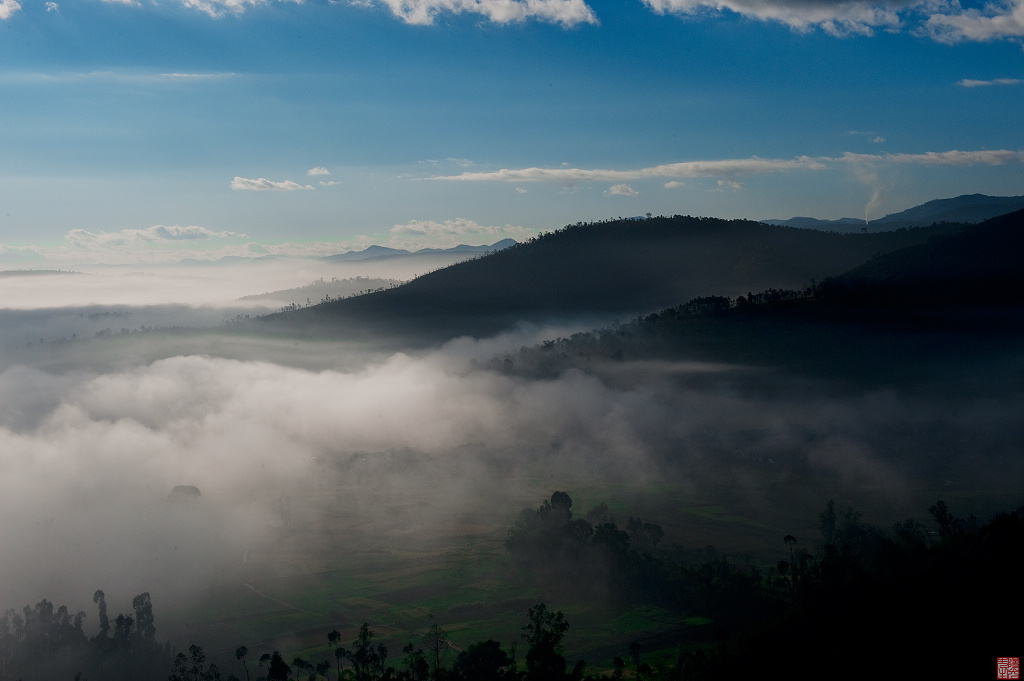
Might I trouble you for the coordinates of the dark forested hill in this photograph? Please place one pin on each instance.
(614, 267)
(912, 313)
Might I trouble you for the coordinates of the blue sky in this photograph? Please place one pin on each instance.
(148, 130)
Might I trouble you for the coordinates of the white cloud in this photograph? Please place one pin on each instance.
(564, 12)
(728, 168)
(52, 7)
(520, 190)
(8, 7)
(329, 183)
(319, 170)
(264, 185)
(123, 2)
(967, 82)
(418, 234)
(942, 20)
(218, 8)
(995, 21)
(842, 18)
(672, 184)
(621, 190)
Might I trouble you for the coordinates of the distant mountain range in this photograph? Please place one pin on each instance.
(969, 208)
(370, 253)
(374, 252)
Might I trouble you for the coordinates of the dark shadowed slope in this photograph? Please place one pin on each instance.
(981, 265)
(610, 268)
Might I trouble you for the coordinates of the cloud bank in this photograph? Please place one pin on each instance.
(87, 459)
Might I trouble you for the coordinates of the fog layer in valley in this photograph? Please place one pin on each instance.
(338, 446)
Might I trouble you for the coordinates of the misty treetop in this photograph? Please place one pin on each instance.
(43, 643)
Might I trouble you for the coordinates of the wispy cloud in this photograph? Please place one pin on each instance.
(52, 7)
(991, 157)
(158, 243)
(262, 184)
(621, 190)
(423, 12)
(728, 170)
(869, 136)
(8, 7)
(319, 170)
(967, 82)
(125, 77)
(568, 176)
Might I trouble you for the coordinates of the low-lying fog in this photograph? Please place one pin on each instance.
(278, 435)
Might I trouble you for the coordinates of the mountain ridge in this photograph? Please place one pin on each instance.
(616, 267)
(968, 208)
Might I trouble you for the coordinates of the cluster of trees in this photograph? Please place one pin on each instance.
(860, 603)
(48, 643)
(590, 553)
(368, 661)
(662, 333)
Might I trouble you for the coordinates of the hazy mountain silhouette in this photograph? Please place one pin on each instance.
(614, 267)
(373, 252)
(969, 208)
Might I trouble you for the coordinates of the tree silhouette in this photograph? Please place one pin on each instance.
(484, 661)
(436, 641)
(240, 653)
(100, 598)
(543, 633)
